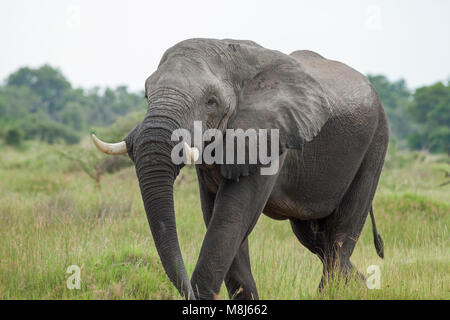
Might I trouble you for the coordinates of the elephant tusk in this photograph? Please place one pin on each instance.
(110, 148)
(191, 153)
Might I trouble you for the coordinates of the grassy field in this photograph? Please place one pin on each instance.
(53, 215)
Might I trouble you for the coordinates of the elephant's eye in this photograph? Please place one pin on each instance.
(211, 101)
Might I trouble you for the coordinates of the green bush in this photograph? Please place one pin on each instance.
(50, 132)
(14, 137)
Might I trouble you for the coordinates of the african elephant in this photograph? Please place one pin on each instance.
(333, 136)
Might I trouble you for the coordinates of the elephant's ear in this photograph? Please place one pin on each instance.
(282, 96)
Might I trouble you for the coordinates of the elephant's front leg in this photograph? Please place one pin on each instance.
(239, 279)
(237, 208)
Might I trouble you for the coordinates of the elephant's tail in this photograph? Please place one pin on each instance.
(379, 246)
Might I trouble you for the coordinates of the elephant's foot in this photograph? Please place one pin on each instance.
(340, 274)
(242, 291)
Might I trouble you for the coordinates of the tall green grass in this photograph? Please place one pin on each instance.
(52, 215)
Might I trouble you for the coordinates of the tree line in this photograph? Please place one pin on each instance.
(42, 104)
(418, 119)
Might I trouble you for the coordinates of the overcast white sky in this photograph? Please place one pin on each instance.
(109, 43)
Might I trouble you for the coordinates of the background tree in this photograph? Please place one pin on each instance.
(46, 82)
(431, 110)
(396, 98)
(45, 106)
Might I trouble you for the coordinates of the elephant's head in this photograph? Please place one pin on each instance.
(224, 84)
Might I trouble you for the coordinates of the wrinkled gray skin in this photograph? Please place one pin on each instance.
(333, 135)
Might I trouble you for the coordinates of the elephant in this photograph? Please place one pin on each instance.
(333, 137)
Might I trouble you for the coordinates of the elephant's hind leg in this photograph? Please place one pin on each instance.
(320, 240)
(344, 226)
(333, 238)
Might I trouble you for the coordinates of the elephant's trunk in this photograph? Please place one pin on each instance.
(156, 173)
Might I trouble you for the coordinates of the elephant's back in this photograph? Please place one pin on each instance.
(346, 89)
